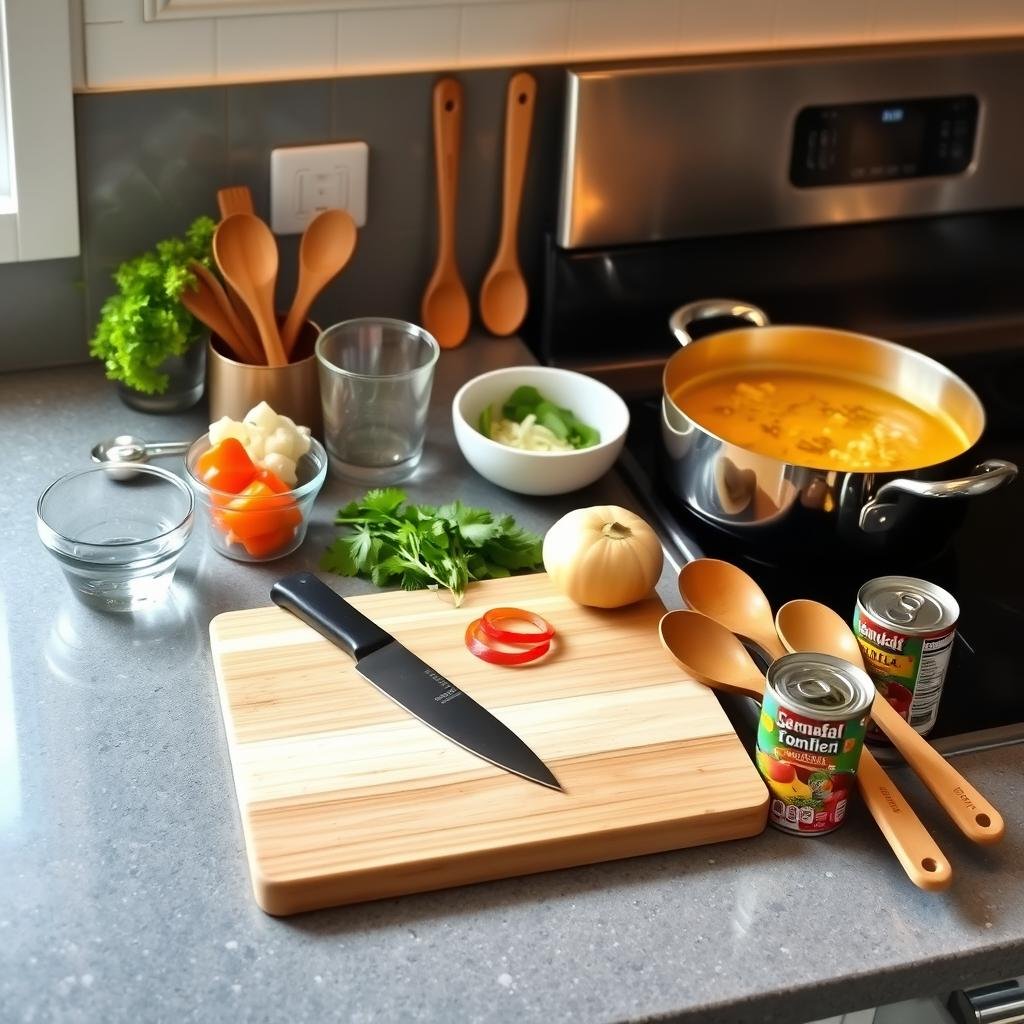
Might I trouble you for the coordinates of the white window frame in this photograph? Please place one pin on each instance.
(41, 221)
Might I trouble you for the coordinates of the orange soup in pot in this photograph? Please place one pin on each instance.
(823, 422)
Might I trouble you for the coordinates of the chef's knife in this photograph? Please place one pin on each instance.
(408, 681)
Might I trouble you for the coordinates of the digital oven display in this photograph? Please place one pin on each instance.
(864, 142)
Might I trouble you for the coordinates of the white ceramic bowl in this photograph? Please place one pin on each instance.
(539, 473)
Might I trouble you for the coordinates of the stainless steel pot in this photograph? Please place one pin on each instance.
(765, 500)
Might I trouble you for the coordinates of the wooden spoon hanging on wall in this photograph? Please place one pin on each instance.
(445, 310)
(503, 296)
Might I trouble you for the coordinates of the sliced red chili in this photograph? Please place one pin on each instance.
(491, 619)
(480, 644)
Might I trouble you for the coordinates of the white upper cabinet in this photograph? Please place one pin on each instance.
(129, 44)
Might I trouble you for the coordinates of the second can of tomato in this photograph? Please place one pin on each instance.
(809, 740)
(906, 629)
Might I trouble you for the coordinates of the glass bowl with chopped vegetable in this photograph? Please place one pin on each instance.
(539, 430)
(255, 481)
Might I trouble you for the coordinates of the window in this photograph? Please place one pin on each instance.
(7, 204)
(38, 191)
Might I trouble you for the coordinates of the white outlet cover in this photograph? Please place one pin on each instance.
(307, 179)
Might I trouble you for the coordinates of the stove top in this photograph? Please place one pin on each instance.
(983, 566)
(694, 179)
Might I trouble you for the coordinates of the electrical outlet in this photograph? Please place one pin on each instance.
(307, 179)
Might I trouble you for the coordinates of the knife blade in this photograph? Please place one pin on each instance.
(408, 680)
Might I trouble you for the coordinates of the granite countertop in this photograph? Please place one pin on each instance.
(126, 895)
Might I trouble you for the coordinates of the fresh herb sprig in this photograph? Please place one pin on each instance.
(144, 323)
(416, 546)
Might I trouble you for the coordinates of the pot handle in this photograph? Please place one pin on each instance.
(705, 309)
(987, 476)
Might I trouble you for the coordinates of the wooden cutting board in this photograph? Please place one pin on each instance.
(345, 797)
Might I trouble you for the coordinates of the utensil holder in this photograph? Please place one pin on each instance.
(292, 390)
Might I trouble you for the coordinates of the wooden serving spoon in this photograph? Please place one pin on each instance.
(725, 593)
(246, 253)
(810, 626)
(445, 309)
(503, 295)
(209, 302)
(327, 245)
(713, 655)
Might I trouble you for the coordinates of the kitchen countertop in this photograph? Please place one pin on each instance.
(126, 895)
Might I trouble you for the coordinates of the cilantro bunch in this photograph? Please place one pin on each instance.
(416, 546)
(144, 323)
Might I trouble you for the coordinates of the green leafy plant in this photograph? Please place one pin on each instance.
(417, 546)
(144, 323)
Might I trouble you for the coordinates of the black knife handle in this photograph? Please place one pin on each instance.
(310, 599)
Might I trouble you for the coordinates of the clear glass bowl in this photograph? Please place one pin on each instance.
(117, 532)
(259, 530)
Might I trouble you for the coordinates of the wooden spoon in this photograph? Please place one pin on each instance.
(712, 655)
(725, 593)
(209, 302)
(247, 256)
(810, 626)
(445, 309)
(327, 245)
(234, 199)
(503, 295)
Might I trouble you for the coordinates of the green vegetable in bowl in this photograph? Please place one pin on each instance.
(531, 421)
(416, 546)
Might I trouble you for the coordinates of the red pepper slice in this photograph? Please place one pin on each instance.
(491, 619)
(480, 644)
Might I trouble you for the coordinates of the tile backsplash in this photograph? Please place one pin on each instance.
(151, 161)
(151, 158)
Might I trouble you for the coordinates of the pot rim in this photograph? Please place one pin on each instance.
(903, 351)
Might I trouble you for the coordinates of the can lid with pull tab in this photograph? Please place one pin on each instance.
(915, 606)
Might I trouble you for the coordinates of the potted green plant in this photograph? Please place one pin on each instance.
(149, 343)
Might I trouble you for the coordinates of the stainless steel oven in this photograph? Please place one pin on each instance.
(877, 190)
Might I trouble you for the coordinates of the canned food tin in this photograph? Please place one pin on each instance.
(906, 629)
(811, 732)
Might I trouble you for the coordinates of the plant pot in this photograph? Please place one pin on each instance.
(187, 374)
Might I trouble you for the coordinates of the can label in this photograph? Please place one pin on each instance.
(808, 764)
(907, 669)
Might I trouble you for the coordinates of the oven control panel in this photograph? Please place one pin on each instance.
(859, 143)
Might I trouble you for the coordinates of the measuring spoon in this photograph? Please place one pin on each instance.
(327, 245)
(445, 309)
(503, 295)
(127, 448)
(725, 593)
(810, 626)
(714, 656)
(246, 253)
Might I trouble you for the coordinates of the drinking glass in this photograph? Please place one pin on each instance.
(375, 381)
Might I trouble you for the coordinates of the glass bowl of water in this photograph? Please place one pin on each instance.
(117, 532)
